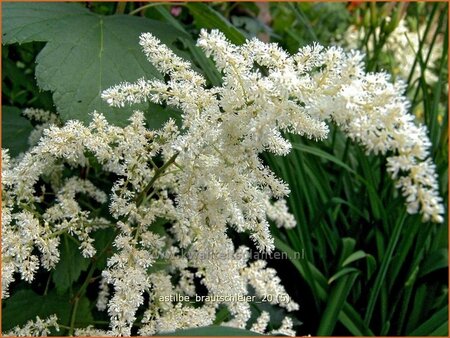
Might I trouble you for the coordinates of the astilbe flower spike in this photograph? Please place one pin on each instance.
(212, 182)
(295, 94)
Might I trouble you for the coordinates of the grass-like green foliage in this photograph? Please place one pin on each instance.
(367, 268)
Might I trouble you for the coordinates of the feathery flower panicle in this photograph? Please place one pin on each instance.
(285, 329)
(212, 180)
(128, 153)
(265, 91)
(35, 328)
(261, 323)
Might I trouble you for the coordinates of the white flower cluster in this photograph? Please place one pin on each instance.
(260, 326)
(37, 328)
(210, 184)
(43, 120)
(265, 91)
(403, 46)
(141, 194)
(24, 227)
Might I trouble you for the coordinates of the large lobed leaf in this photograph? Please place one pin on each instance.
(213, 330)
(85, 53)
(25, 305)
(15, 130)
(70, 265)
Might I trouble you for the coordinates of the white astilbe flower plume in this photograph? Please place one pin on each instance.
(35, 328)
(211, 182)
(198, 228)
(43, 118)
(223, 181)
(285, 329)
(266, 91)
(261, 323)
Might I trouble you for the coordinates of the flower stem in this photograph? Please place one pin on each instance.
(83, 288)
(120, 9)
(140, 198)
(74, 316)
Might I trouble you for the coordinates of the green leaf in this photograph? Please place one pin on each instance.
(15, 130)
(212, 330)
(354, 257)
(25, 305)
(387, 260)
(70, 265)
(317, 282)
(434, 261)
(102, 240)
(84, 315)
(341, 273)
(276, 314)
(206, 17)
(371, 184)
(338, 201)
(347, 247)
(336, 301)
(158, 115)
(353, 321)
(86, 53)
(434, 323)
(371, 265)
(322, 154)
(222, 314)
(441, 331)
(206, 64)
(348, 316)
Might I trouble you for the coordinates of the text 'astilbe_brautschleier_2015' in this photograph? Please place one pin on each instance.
(212, 178)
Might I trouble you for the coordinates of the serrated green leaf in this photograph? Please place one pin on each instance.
(70, 265)
(102, 239)
(15, 130)
(84, 315)
(86, 53)
(158, 115)
(25, 305)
